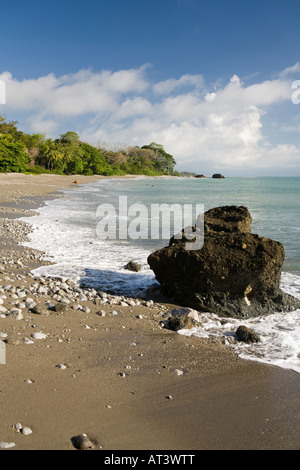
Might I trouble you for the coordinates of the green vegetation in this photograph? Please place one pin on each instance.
(34, 153)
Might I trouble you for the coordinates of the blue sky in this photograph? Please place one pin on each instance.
(211, 80)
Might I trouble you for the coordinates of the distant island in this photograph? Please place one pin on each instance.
(218, 175)
(34, 153)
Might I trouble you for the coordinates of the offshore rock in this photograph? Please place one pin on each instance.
(218, 175)
(234, 274)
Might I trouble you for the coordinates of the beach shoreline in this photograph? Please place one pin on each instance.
(121, 382)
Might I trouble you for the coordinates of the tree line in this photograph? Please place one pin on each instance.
(35, 153)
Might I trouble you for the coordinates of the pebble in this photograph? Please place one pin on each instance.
(82, 442)
(28, 341)
(101, 313)
(26, 430)
(38, 335)
(17, 426)
(61, 366)
(16, 313)
(178, 371)
(7, 445)
(23, 429)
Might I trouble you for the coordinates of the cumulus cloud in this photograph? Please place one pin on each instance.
(289, 71)
(168, 86)
(201, 127)
(75, 94)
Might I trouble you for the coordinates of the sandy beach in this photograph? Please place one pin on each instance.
(115, 373)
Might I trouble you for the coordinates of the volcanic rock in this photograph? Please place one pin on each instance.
(235, 273)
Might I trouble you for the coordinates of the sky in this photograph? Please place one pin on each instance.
(216, 82)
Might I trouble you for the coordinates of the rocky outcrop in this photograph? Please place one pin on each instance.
(235, 273)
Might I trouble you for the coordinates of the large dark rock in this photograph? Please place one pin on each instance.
(235, 273)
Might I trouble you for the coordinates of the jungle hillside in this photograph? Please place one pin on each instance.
(36, 154)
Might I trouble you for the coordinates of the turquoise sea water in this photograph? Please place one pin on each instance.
(66, 230)
(274, 203)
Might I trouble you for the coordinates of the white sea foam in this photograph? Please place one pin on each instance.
(68, 238)
(279, 332)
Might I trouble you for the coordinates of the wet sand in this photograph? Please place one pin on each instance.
(120, 385)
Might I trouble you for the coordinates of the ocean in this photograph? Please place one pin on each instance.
(92, 231)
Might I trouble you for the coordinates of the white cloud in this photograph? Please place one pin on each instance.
(219, 128)
(74, 94)
(167, 86)
(294, 69)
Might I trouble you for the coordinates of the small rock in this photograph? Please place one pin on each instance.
(17, 426)
(60, 307)
(182, 322)
(247, 335)
(16, 313)
(37, 309)
(28, 341)
(38, 335)
(82, 442)
(21, 294)
(184, 311)
(101, 313)
(178, 371)
(26, 430)
(77, 307)
(133, 266)
(61, 366)
(13, 341)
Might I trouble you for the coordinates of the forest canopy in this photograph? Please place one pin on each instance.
(35, 153)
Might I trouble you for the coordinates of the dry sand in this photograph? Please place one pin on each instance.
(220, 402)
